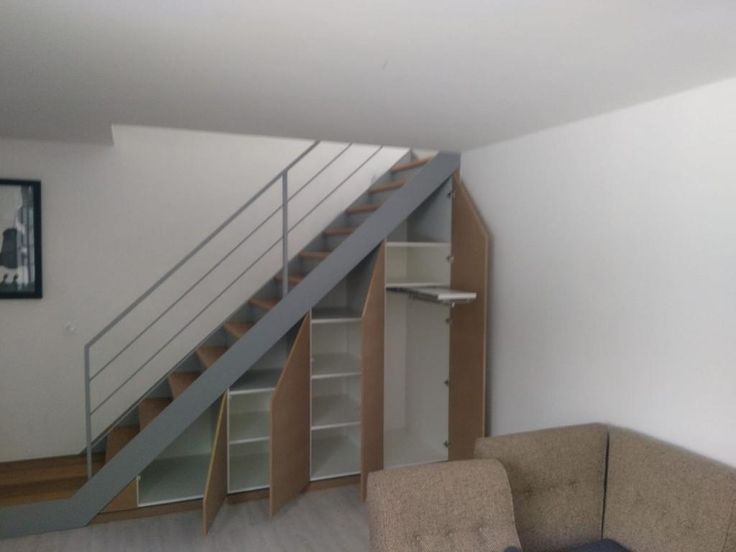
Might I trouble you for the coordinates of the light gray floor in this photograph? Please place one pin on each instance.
(322, 521)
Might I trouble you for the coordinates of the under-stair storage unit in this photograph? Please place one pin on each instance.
(336, 378)
(249, 421)
(425, 369)
(412, 264)
(366, 351)
(416, 375)
(180, 473)
(418, 337)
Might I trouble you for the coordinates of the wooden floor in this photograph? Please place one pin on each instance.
(333, 520)
(44, 479)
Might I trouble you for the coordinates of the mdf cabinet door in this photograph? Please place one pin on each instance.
(290, 431)
(468, 328)
(215, 490)
(372, 358)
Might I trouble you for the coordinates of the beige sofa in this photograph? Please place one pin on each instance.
(571, 488)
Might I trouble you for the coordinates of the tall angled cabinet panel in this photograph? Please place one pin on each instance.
(290, 430)
(372, 368)
(469, 272)
(215, 490)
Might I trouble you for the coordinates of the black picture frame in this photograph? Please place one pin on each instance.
(23, 278)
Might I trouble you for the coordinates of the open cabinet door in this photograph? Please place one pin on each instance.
(215, 490)
(469, 272)
(289, 455)
(371, 449)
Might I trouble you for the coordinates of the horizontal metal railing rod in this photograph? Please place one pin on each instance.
(229, 286)
(197, 248)
(212, 268)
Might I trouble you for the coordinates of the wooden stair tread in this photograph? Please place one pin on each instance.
(411, 164)
(387, 187)
(179, 381)
(209, 355)
(367, 208)
(294, 279)
(237, 329)
(342, 231)
(314, 254)
(117, 439)
(265, 303)
(149, 409)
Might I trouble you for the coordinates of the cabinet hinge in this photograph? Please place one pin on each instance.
(450, 258)
(447, 382)
(447, 444)
(451, 193)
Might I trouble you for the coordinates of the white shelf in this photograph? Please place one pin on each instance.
(256, 380)
(249, 427)
(401, 447)
(335, 365)
(334, 315)
(442, 295)
(412, 283)
(248, 472)
(334, 411)
(417, 244)
(173, 480)
(334, 457)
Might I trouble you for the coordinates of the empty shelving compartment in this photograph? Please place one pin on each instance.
(263, 376)
(416, 399)
(248, 466)
(335, 403)
(335, 453)
(180, 472)
(336, 350)
(249, 418)
(336, 376)
(417, 264)
(417, 337)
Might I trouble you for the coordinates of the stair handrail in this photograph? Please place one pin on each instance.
(282, 177)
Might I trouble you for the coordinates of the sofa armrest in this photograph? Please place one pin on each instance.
(462, 505)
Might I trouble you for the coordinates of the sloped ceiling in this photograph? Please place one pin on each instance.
(439, 74)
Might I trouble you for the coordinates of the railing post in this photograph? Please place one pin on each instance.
(285, 234)
(87, 410)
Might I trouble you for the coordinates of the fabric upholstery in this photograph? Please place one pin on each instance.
(731, 536)
(454, 507)
(600, 546)
(557, 481)
(664, 499)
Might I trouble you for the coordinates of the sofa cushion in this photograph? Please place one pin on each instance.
(557, 482)
(600, 546)
(457, 506)
(664, 499)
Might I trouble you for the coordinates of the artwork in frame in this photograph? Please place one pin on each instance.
(20, 239)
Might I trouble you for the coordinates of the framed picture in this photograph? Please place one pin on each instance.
(20, 239)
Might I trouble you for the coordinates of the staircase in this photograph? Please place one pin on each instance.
(137, 440)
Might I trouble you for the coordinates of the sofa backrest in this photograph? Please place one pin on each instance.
(660, 498)
(557, 481)
(464, 505)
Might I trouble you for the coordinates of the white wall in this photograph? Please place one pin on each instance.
(614, 271)
(115, 219)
